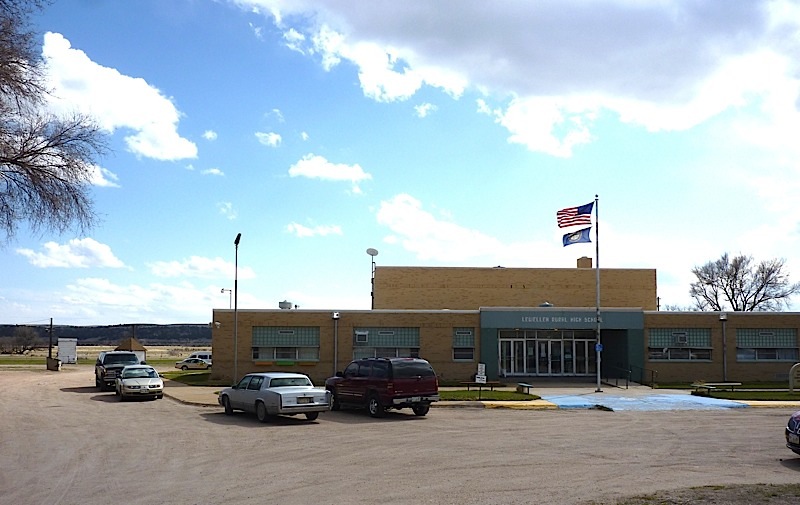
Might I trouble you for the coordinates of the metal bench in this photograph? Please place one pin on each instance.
(524, 386)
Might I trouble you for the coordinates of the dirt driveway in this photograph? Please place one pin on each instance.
(63, 442)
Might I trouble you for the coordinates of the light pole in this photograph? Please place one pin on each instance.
(724, 318)
(236, 309)
(230, 296)
(372, 252)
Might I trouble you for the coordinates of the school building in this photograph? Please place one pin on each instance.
(522, 323)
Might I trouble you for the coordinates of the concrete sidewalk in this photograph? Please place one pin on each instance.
(553, 397)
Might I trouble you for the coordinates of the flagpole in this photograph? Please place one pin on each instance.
(598, 346)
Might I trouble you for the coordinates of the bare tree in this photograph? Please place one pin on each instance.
(738, 284)
(46, 162)
(26, 339)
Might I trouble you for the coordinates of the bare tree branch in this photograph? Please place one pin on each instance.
(736, 284)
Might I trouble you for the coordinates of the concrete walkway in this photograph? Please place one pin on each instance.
(553, 397)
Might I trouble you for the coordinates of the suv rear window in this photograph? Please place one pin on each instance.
(410, 369)
(113, 359)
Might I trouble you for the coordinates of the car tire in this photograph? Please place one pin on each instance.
(122, 397)
(420, 409)
(184, 368)
(226, 404)
(261, 412)
(97, 383)
(375, 407)
(335, 405)
(311, 416)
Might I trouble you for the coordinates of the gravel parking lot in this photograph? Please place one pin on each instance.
(64, 442)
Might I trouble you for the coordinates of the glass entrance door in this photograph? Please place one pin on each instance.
(546, 357)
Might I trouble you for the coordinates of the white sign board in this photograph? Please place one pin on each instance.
(480, 379)
(481, 369)
(68, 350)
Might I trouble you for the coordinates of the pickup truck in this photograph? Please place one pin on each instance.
(109, 364)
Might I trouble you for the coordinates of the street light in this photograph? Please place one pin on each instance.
(230, 295)
(372, 252)
(723, 317)
(236, 309)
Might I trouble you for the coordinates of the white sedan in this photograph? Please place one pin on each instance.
(275, 393)
(193, 364)
(139, 381)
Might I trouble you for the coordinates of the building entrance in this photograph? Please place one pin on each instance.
(546, 353)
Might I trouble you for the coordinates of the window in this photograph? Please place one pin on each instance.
(463, 344)
(255, 383)
(777, 344)
(385, 342)
(679, 344)
(286, 343)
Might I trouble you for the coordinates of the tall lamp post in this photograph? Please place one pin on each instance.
(372, 252)
(723, 317)
(230, 296)
(236, 309)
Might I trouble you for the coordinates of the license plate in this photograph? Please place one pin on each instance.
(304, 400)
(414, 399)
(794, 439)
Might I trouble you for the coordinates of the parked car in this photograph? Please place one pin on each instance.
(204, 355)
(793, 433)
(379, 384)
(139, 381)
(109, 364)
(193, 364)
(275, 393)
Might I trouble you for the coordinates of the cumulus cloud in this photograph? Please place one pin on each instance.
(115, 100)
(103, 177)
(197, 266)
(77, 253)
(317, 167)
(304, 231)
(210, 135)
(550, 67)
(424, 109)
(213, 171)
(269, 139)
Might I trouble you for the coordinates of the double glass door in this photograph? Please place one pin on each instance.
(546, 357)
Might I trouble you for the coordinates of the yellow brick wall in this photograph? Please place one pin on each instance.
(472, 288)
(713, 371)
(436, 339)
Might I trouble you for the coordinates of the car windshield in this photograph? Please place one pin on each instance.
(140, 373)
(290, 381)
(115, 359)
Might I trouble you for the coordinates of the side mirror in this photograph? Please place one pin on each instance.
(143, 363)
(339, 374)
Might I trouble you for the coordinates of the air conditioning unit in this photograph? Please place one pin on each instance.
(680, 338)
(361, 337)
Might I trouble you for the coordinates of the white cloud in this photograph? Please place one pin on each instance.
(660, 65)
(115, 101)
(103, 177)
(197, 266)
(304, 135)
(210, 135)
(227, 210)
(303, 231)
(77, 253)
(316, 167)
(424, 109)
(213, 171)
(269, 139)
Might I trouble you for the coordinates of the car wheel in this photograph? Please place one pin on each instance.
(184, 368)
(261, 412)
(97, 383)
(335, 405)
(226, 403)
(420, 409)
(158, 397)
(375, 406)
(122, 397)
(312, 415)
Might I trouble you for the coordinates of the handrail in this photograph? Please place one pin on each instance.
(623, 373)
(644, 372)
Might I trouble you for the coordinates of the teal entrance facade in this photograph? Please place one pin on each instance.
(551, 342)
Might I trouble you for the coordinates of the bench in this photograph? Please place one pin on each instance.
(481, 385)
(525, 386)
(711, 386)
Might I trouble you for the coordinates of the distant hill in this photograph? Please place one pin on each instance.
(146, 334)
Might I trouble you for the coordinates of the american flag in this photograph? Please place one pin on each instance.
(572, 216)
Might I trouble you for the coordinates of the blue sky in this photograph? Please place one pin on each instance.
(442, 133)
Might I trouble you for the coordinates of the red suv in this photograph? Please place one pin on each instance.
(380, 384)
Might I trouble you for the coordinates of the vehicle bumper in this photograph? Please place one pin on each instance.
(143, 392)
(413, 400)
(793, 441)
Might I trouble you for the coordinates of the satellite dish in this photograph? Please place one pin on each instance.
(372, 252)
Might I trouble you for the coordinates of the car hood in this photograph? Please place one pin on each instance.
(143, 381)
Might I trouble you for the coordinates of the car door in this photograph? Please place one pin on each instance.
(346, 387)
(252, 393)
(238, 393)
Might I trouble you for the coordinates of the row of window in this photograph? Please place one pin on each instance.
(694, 344)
